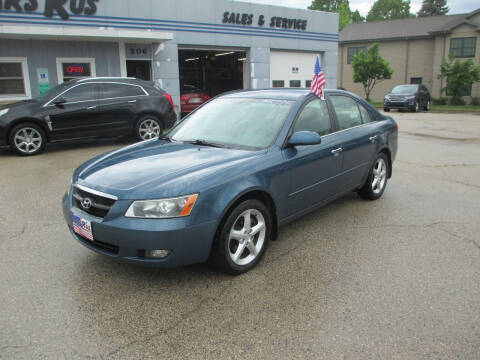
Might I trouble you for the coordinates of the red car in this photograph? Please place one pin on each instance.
(191, 98)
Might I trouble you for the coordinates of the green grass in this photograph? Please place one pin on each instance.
(379, 105)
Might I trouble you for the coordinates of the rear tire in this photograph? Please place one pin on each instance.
(377, 179)
(148, 127)
(27, 139)
(243, 238)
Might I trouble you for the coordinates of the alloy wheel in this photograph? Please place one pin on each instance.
(379, 176)
(28, 140)
(247, 237)
(149, 129)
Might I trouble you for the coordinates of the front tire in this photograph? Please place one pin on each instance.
(377, 179)
(427, 106)
(148, 127)
(386, 110)
(243, 239)
(416, 108)
(27, 139)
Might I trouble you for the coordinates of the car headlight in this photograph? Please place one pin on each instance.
(4, 112)
(162, 208)
(410, 98)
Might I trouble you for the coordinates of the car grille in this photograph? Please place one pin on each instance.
(91, 203)
(394, 98)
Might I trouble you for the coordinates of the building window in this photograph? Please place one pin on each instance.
(463, 47)
(353, 51)
(416, 80)
(14, 81)
(295, 83)
(308, 84)
(75, 68)
(278, 83)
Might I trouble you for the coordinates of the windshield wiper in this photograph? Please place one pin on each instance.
(203, 143)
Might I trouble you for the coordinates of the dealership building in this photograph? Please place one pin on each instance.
(210, 45)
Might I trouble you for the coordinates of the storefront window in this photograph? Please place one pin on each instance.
(71, 69)
(12, 78)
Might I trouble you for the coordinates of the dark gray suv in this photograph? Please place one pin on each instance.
(411, 97)
(86, 108)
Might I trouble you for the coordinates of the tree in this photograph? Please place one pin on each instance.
(369, 68)
(357, 17)
(389, 9)
(326, 5)
(433, 8)
(342, 7)
(344, 15)
(460, 76)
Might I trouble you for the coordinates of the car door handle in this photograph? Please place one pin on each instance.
(337, 151)
(132, 101)
(373, 138)
(92, 107)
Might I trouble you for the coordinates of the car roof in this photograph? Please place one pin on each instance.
(292, 94)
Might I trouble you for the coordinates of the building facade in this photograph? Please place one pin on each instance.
(216, 45)
(414, 48)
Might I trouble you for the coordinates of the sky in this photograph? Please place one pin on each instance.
(456, 6)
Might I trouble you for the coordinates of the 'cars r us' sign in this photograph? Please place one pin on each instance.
(61, 7)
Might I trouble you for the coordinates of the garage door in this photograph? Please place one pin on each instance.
(291, 69)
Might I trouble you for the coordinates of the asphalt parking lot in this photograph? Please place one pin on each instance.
(398, 278)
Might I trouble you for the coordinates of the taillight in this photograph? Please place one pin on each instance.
(205, 97)
(170, 100)
(184, 98)
(396, 127)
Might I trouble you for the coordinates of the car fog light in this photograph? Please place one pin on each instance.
(157, 254)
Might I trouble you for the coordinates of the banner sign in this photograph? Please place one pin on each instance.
(273, 22)
(62, 8)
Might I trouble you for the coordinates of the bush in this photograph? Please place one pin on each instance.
(456, 101)
(439, 101)
(475, 101)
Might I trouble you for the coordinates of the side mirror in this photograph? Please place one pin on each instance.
(59, 101)
(304, 138)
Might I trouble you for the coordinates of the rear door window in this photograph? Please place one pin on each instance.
(113, 90)
(347, 111)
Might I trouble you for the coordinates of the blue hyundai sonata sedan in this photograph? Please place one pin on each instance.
(221, 182)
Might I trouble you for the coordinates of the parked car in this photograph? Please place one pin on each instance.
(222, 181)
(86, 108)
(191, 98)
(411, 97)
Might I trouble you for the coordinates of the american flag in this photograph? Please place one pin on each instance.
(318, 81)
(82, 228)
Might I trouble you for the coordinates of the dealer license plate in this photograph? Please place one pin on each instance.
(82, 227)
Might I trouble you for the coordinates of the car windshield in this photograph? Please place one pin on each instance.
(404, 89)
(236, 122)
(50, 94)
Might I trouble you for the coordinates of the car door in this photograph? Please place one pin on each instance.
(314, 169)
(358, 137)
(77, 116)
(117, 106)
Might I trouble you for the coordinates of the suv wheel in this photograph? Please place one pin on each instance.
(427, 106)
(27, 139)
(148, 127)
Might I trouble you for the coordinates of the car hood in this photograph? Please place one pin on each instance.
(401, 95)
(20, 107)
(158, 168)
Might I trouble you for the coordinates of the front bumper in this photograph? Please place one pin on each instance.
(128, 238)
(409, 105)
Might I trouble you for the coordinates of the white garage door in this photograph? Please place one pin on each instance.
(292, 69)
